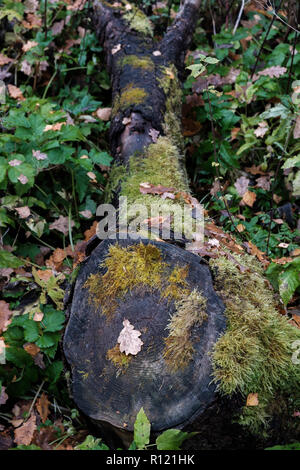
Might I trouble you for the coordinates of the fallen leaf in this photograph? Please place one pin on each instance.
(240, 228)
(39, 155)
(29, 45)
(252, 399)
(104, 114)
(23, 179)
(88, 234)
(262, 129)
(23, 212)
(283, 245)
(57, 27)
(234, 132)
(277, 198)
(42, 406)
(15, 92)
(61, 224)
(296, 132)
(54, 127)
(15, 162)
(154, 134)
(91, 175)
(264, 183)
(241, 185)
(116, 49)
(126, 120)
(3, 396)
(77, 5)
(26, 67)
(255, 170)
(148, 188)
(156, 53)
(274, 72)
(5, 315)
(249, 198)
(253, 250)
(87, 214)
(45, 274)
(296, 252)
(24, 434)
(31, 349)
(4, 59)
(129, 340)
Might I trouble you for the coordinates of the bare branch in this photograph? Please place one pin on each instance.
(179, 35)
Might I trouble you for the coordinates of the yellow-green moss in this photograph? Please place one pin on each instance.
(136, 266)
(120, 360)
(161, 164)
(116, 176)
(137, 62)
(255, 353)
(138, 21)
(129, 96)
(190, 311)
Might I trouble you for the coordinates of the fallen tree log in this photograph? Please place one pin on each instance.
(157, 296)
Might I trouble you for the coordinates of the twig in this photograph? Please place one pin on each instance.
(217, 166)
(264, 41)
(293, 54)
(35, 398)
(239, 17)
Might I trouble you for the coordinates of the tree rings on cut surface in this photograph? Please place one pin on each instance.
(172, 304)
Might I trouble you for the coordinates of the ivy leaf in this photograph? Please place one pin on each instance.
(196, 69)
(142, 428)
(172, 439)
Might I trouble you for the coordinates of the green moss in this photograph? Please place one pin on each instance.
(130, 95)
(137, 62)
(255, 353)
(128, 268)
(161, 164)
(116, 176)
(169, 82)
(138, 21)
(190, 311)
(120, 360)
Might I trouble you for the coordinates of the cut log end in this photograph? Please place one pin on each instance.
(174, 315)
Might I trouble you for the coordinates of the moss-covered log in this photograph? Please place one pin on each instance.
(165, 292)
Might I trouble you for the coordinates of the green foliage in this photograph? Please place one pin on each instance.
(294, 446)
(91, 443)
(285, 278)
(141, 430)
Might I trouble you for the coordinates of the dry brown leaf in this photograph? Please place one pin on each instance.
(61, 225)
(262, 129)
(42, 406)
(275, 71)
(5, 315)
(154, 135)
(23, 212)
(253, 250)
(252, 399)
(240, 228)
(255, 170)
(241, 185)
(3, 396)
(148, 188)
(77, 5)
(15, 92)
(44, 275)
(31, 349)
(87, 214)
(296, 132)
(234, 132)
(57, 27)
(249, 198)
(104, 114)
(29, 45)
(296, 252)
(277, 198)
(4, 59)
(116, 49)
(283, 260)
(91, 231)
(32, 21)
(129, 340)
(54, 127)
(24, 434)
(264, 183)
